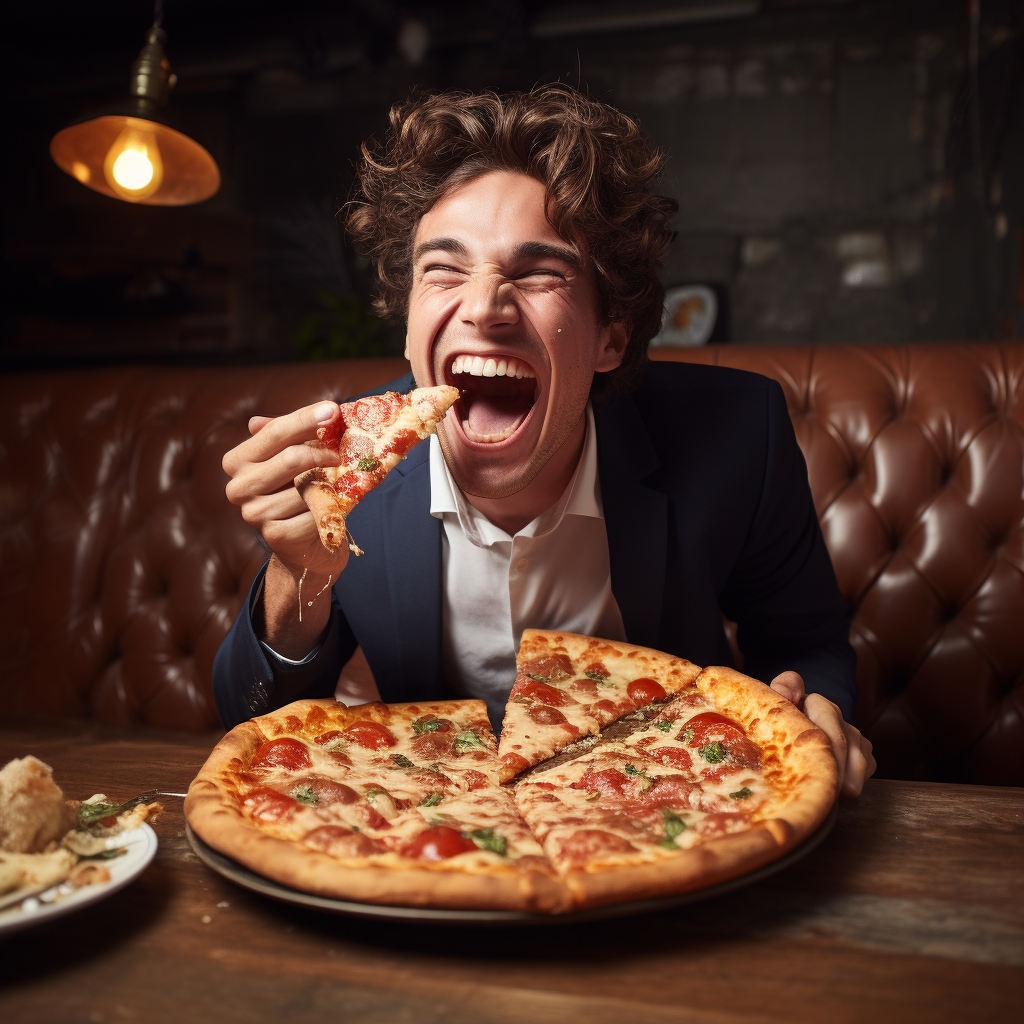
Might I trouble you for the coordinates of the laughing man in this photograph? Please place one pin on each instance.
(573, 486)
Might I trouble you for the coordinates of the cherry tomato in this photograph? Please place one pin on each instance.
(643, 691)
(283, 753)
(438, 843)
(371, 735)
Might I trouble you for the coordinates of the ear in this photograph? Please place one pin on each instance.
(407, 348)
(614, 341)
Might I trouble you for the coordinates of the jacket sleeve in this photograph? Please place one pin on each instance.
(249, 680)
(782, 592)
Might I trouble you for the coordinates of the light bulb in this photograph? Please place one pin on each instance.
(133, 167)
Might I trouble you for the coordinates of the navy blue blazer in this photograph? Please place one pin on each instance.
(707, 508)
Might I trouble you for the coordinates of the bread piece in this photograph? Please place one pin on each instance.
(32, 809)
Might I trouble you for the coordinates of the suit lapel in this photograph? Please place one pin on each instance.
(636, 518)
(412, 568)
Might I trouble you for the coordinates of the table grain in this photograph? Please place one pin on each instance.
(912, 910)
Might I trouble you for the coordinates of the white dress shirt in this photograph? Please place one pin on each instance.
(553, 574)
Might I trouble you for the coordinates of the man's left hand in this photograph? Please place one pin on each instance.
(852, 750)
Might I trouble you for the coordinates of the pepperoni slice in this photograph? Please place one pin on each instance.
(549, 666)
(326, 737)
(268, 804)
(438, 843)
(643, 691)
(371, 735)
(672, 757)
(709, 727)
(434, 746)
(721, 822)
(283, 753)
(515, 763)
(542, 692)
(342, 842)
(326, 790)
(542, 714)
(609, 781)
(588, 843)
(586, 688)
(671, 789)
(372, 818)
(474, 779)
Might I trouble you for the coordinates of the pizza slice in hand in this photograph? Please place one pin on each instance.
(372, 435)
(569, 687)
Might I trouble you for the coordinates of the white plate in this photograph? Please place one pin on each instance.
(688, 318)
(141, 846)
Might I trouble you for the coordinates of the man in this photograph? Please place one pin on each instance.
(572, 486)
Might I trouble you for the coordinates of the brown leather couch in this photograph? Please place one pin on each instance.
(122, 565)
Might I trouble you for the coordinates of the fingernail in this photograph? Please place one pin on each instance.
(325, 413)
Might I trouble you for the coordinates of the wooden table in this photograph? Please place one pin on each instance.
(912, 910)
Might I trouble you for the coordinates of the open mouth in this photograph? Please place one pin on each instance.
(498, 393)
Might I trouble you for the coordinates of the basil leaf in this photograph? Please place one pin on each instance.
(366, 465)
(305, 795)
(663, 726)
(402, 761)
(668, 842)
(468, 740)
(422, 725)
(742, 794)
(673, 823)
(535, 678)
(713, 752)
(89, 814)
(117, 851)
(598, 677)
(432, 801)
(488, 839)
(686, 735)
(633, 770)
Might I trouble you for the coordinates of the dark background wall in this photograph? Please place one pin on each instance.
(842, 173)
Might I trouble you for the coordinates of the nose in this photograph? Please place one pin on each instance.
(488, 301)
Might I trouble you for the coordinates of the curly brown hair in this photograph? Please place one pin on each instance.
(598, 170)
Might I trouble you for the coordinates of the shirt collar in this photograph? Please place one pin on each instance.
(582, 497)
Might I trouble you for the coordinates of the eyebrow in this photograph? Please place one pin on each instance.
(523, 251)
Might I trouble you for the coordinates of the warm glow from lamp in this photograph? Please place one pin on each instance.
(133, 167)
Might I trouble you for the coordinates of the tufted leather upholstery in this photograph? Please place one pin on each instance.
(122, 565)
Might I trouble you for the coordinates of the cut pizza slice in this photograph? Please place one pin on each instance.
(715, 782)
(569, 687)
(372, 435)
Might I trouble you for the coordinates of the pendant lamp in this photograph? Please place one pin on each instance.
(129, 151)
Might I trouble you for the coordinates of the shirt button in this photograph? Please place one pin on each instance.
(522, 563)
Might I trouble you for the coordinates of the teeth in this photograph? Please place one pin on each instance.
(488, 438)
(477, 366)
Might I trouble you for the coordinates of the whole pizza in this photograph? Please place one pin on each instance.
(621, 774)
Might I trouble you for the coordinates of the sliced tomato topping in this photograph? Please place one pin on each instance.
(269, 805)
(286, 753)
(643, 691)
(710, 726)
(371, 735)
(593, 842)
(438, 843)
(609, 781)
(543, 692)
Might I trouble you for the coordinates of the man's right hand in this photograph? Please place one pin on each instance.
(262, 471)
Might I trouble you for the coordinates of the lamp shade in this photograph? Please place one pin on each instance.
(130, 152)
(181, 171)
